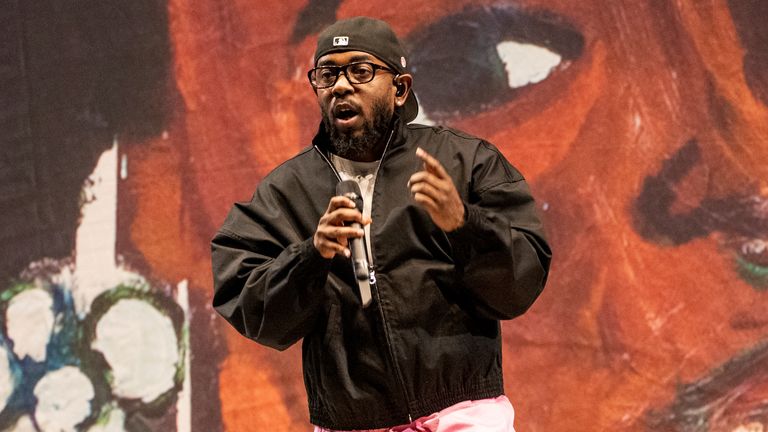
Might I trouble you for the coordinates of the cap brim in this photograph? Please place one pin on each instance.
(410, 110)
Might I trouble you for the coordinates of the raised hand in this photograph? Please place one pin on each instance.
(434, 190)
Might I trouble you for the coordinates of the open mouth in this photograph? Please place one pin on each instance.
(345, 113)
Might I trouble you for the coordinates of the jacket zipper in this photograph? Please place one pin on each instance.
(372, 271)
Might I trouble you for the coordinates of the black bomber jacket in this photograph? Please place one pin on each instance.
(431, 336)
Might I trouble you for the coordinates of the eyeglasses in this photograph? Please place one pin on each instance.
(356, 73)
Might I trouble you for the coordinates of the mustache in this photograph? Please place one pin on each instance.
(345, 106)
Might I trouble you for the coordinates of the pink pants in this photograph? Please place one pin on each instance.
(484, 415)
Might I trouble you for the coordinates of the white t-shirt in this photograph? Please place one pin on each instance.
(364, 174)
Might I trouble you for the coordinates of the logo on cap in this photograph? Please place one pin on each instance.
(341, 41)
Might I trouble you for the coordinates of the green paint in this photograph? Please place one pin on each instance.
(753, 274)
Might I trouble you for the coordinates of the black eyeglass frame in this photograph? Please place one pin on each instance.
(343, 69)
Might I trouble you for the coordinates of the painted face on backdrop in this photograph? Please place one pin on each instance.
(642, 129)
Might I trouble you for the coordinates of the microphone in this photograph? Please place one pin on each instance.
(351, 190)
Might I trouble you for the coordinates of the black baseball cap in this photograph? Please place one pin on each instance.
(374, 37)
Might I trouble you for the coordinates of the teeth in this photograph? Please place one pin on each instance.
(756, 247)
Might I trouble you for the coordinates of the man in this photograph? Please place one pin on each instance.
(452, 240)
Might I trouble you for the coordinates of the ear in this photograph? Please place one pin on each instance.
(403, 84)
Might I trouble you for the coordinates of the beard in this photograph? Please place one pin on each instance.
(356, 147)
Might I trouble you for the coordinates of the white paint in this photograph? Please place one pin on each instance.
(24, 424)
(526, 63)
(63, 399)
(29, 321)
(141, 347)
(754, 246)
(137, 340)
(750, 427)
(6, 378)
(184, 404)
(655, 322)
(114, 423)
(95, 267)
(123, 167)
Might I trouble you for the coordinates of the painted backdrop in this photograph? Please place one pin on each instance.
(129, 128)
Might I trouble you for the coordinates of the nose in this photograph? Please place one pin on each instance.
(342, 85)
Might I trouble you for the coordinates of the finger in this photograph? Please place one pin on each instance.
(339, 202)
(431, 164)
(345, 215)
(333, 248)
(425, 177)
(429, 204)
(418, 177)
(439, 189)
(329, 247)
(341, 231)
(342, 241)
(429, 190)
(333, 241)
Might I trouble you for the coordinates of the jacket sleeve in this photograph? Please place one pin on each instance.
(501, 246)
(266, 285)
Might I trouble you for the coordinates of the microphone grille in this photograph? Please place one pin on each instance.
(348, 186)
(351, 190)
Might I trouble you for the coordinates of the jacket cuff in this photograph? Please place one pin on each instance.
(461, 238)
(473, 222)
(312, 255)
